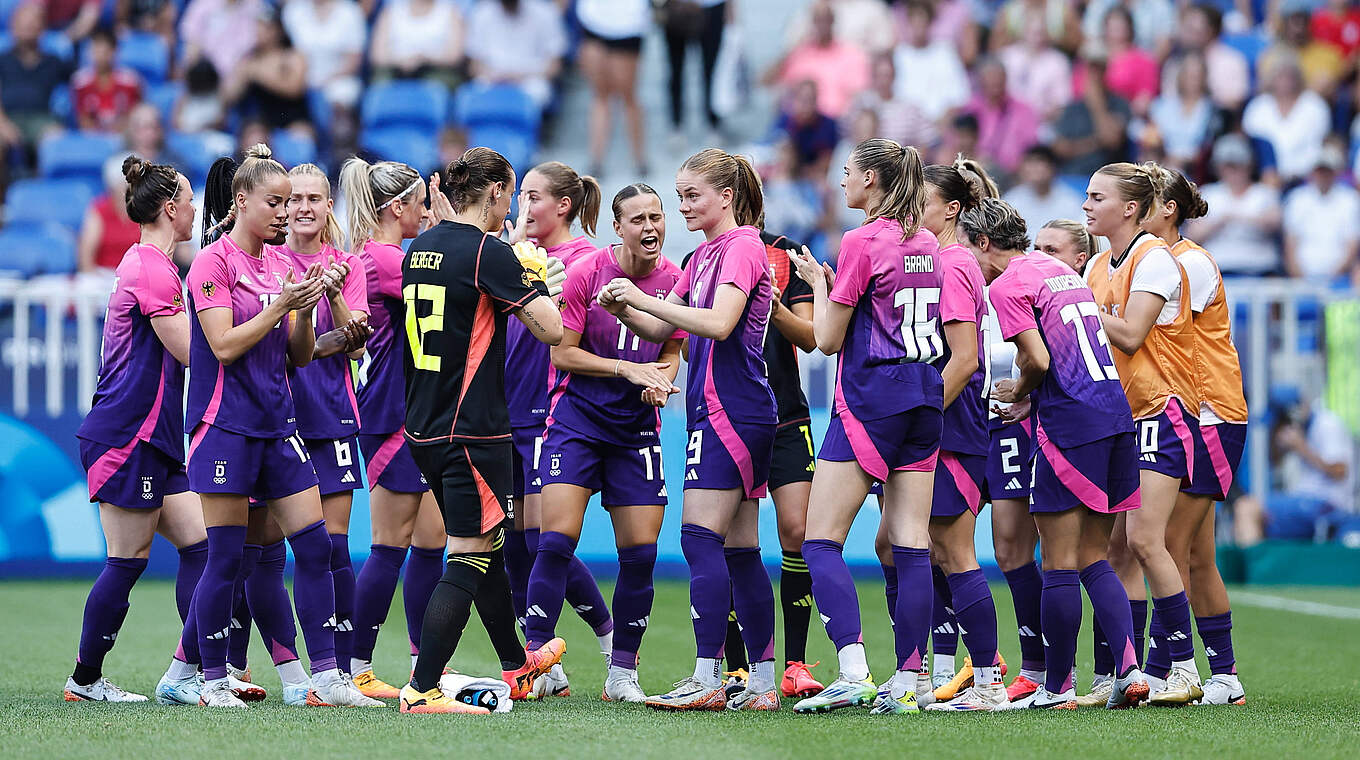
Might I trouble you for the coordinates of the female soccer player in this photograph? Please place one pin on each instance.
(1084, 472)
(323, 390)
(1145, 307)
(386, 206)
(723, 301)
(603, 434)
(460, 283)
(250, 317)
(881, 315)
(962, 466)
(132, 441)
(1221, 436)
(551, 198)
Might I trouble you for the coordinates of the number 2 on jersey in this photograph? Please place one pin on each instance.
(1075, 314)
(418, 327)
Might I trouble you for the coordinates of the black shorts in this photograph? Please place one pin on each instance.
(620, 45)
(471, 483)
(794, 460)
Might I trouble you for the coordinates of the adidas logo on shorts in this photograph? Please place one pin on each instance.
(1149, 457)
(691, 475)
(348, 478)
(1013, 484)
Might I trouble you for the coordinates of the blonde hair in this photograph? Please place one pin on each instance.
(899, 173)
(368, 189)
(583, 192)
(1141, 183)
(332, 234)
(1086, 242)
(723, 170)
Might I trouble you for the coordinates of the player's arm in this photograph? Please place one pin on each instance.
(961, 337)
(301, 337)
(1128, 332)
(230, 342)
(173, 332)
(543, 319)
(830, 319)
(672, 314)
(795, 324)
(1032, 358)
(568, 356)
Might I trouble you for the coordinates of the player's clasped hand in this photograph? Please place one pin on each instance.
(1013, 413)
(1004, 391)
(809, 270)
(649, 375)
(334, 276)
(305, 294)
(619, 291)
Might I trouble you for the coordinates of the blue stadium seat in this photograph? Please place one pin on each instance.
(410, 146)
(196, 152)
(1250, 44)
(478, 105)
(164, 96)
(405, 103)
(77, 155)
(49, 249)
(1075, 182)
(516, 145)
(58, 44)
(62, 105)
(145, 53)
(37, 202)
(291, 148)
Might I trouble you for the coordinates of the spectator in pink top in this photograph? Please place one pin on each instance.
(1229, 77)
(1006, 125)
(1130, 72)
(840, 70)
(1037, 73)
(222, 31)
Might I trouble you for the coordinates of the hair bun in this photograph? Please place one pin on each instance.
(135, 169)
(259, 150)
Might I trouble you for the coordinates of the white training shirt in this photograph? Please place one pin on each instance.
(1159, 274)
(1000, 353)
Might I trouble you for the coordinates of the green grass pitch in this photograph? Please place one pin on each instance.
(1298, 669)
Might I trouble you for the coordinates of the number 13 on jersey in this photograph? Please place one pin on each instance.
(417, 328)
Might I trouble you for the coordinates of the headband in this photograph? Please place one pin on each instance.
(400, 195)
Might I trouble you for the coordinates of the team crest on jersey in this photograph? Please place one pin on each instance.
(208, 287)
(177, 300)
(555, 465)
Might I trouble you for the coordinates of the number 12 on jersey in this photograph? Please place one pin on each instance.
(419, 327)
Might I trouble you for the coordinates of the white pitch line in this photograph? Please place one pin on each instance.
(1295, 605)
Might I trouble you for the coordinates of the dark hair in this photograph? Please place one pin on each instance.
(722, 170)
(1043, 153)
(966, 122)
(226, 179)
(964, 182)
(201, 77)
(898, 172)
(1179, 189)
(105, 33)
(1212, 15)
(583, 192)
(630, 191)
(469, 175)
(920, 6)
(999, 221)
(149, 186)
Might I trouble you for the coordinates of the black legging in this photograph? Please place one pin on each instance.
(710, 38)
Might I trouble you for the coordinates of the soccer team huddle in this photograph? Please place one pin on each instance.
(489, 382)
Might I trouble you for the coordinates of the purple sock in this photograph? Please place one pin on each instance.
(1216, 633)
(186, 650)
(423, 571)
(342, 573)
(1108, 607)
(1175, 614)
(633, 595)
(976, 613)
(226, 544)
(944, 629)
(1060, 615)
(583, 594)
(269, 604)
(753, 599)
(1138, 609)
(105, 609)
(834, 591)
(890, 588)
(1100, 649)
(1158, 652)
(518, 563)
(547, 587)
(192, 560)
(915, 598)
(314, 593)
(238, 642)
(1027, 585)
(710, 585)
(373, 592)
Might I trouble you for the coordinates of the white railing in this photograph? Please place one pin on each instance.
(1268, 337)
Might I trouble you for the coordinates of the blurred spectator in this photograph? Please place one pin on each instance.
(272, 83)
(107, 232)
(519, 42)
(840, 69)
(331, 35)
(1089, 132)
(1006, 125)
(145, 136)
(414, 39)
(863, 24)
(223, 31)
(1227, 72)
(793, 202)
(933, 77)
(155, 16)
(1057, 19)
(200, 107)
(103, 92)
(1338, 24)
(1153, 23)
(1293, 120)
(1037, 73)
(896, 118)
(1322, 223)
(1184, 114)
(1130, 72)
(812, 133)
(452, 145)
(610, 50)
(251, 132)
(1039, 197)
(1242, 227)
(75, 17)
(960, 138)
(688, 22)
(1322, 65)
(28, 76)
